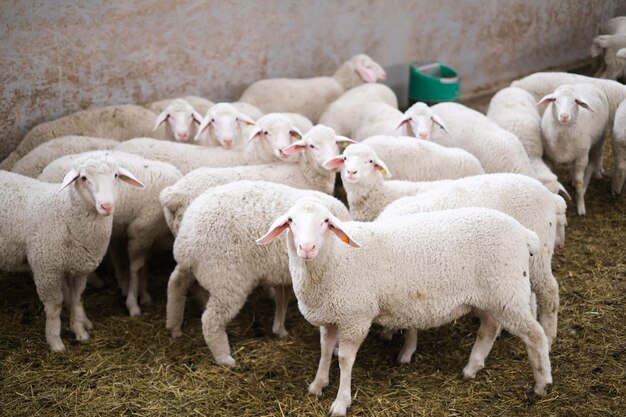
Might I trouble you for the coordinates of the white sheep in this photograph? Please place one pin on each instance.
(310, 96)
(378, 118)
(60, 232)
(541, 84)
(515, 110)
(613, 26)
(200, 104)
(342, 114)
(608, 47)
(315, 147)
(418, 271)
(419, 160)
(33, 163)
(280, 129)
(214, 245)
(114, 122)
(138, 220)
(619, 149)
(576, 136)
(497, 149)
(179, 118)
(223, 125)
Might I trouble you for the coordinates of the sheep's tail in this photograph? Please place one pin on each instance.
(171, 202)
(532, 241)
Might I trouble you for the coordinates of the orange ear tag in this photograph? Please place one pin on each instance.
(345, 238)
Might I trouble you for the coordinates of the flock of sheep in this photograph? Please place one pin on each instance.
(469, 224)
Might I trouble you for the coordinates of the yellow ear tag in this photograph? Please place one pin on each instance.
(383, 171)
(345, 238)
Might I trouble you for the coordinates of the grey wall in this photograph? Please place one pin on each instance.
(62, 56)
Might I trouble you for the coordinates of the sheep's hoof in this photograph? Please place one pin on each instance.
(134, 311)
(82, 336)
(281, 333)
(87, 323)
(57, 346)
(228, 361)
(339, 408)
(404, 358)
(541, 390)
(176, 333)
(316, 387)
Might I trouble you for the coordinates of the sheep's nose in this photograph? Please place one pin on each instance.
(564, 117)
(423, 135)
(353, 172)
(107, 207)
(182, 136)
(307, 248)
(228, 142)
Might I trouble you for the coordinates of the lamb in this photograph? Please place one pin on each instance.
(138, 220)
(608, 47)
(576, 137)
(60, 232)
(419, 160)
(619, 149)
(114, 122)
(33, 163)
(179, 118)
(314, 149)
(410, 273)
(515, 110)
(496, 149)
(211, 228)
(200, 104)
(222, 126)
(378, 119)
(280, 129)
(342, 114)
(309, 97)
(541, 84)
(613, 26)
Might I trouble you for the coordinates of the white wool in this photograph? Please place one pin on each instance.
(619, 149)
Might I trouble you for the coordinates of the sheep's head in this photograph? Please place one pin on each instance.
(180, 118)
(359, 164)
(420, 119)
(96, 177)
(564, 104)
(368, 69)
(309, 223)
(223, 122)
(318, 144)
(278, 132)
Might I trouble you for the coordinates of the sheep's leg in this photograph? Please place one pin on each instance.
(580, 165)
(281, 299)
(619, 166)
(118, 257)
(177, 287)
(530, 331)
(348, 347)
(409, 346)
(144, 296)
(137, 253)
(548, 305)
(487, 334)
(78, 317)
(50, 291)
(223, 306)
(596, 158)
(328, 339)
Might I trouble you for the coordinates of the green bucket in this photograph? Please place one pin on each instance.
(433, 82)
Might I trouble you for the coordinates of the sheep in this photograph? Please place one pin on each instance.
(378, 118)
(60, 233)
(418, 271)
(613, 26)
(221, 126)
(515, 110)
(342, 114)
(179, 118)
(576, 137)
(608, 47)
(419, 160)
(309, 97)
(541, 84)
(33, 163)
(139, 218)
(214, 246)
(619, 149)
(187, 157)
(280, 129)
(314, 149)
(497, 149)
(114, 122)
(200, 104)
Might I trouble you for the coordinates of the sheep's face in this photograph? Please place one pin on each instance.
(319, 144)
(359, 164)
(278, 133)
(180, 119)
(421, 120)
(309, 223)
(223, 122)
(565, 103)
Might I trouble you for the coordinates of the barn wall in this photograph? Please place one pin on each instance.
(61, 56)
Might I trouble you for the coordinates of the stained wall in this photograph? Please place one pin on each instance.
(61, 56)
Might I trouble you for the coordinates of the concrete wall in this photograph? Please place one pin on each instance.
(59, 56)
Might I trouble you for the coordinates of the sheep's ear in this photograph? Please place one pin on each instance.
(160, 119)
(295, 147)
(405, 120)
(203, 125)
(382, 168)
(276, 229)
(436, 119)
(256, 132)
(367, 74)
(582, 103)
(69, 178)
(295, 133)
(546, 99)
(197, 117)
(335, 226)
(245, 119)
(334, 162)
(344, 142)
(127, 176)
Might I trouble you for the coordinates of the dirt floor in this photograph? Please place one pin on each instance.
(132, 367)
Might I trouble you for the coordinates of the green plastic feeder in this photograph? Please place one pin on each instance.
(433, 82)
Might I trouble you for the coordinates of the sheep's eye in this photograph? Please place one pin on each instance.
(265, 132)
(289, 219)
(371, 161)
(326, 221)
(312, 146)
(83, 178)
(116, 175)
(212, 120)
